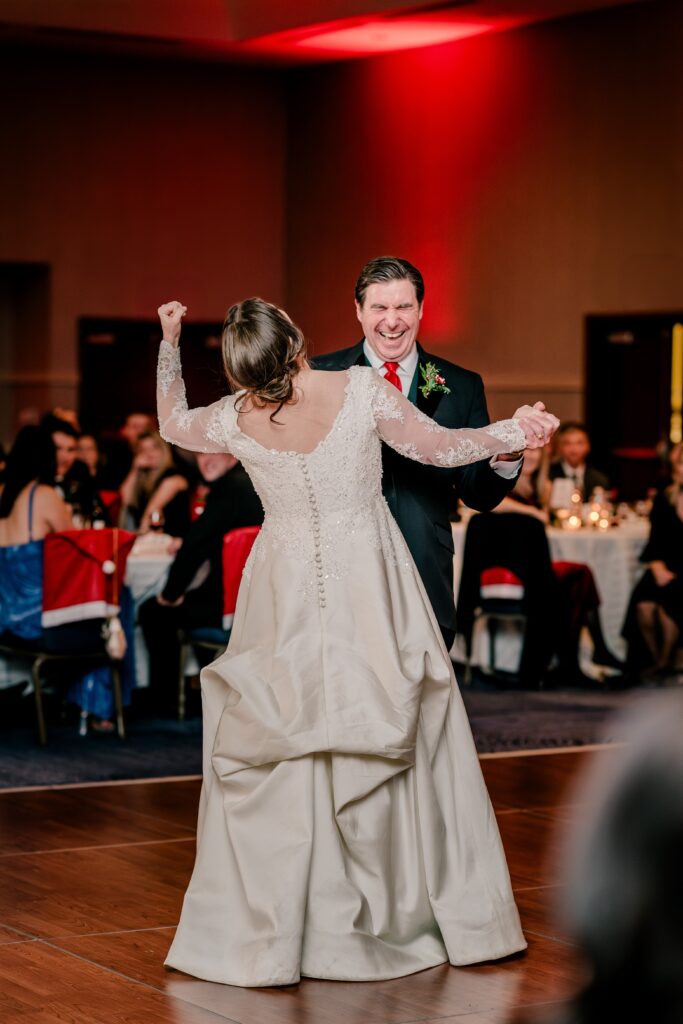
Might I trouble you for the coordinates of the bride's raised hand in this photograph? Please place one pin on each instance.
(171, 315)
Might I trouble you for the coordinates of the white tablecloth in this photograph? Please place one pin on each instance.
(145, 575)
(611, 554)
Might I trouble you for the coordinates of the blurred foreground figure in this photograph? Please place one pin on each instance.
(625, 893)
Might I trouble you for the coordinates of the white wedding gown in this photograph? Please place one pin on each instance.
(344, 830)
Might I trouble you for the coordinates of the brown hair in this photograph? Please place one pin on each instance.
(262, 352)
(388, 268)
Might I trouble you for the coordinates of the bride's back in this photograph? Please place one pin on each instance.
(301, 424)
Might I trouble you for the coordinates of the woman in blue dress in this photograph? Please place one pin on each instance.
(30, 508)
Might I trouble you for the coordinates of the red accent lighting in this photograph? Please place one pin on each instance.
(388, 36)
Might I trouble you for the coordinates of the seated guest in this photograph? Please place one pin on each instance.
(118, 451)
(30, 508)
(532, 488)
(89, 454)
(572, 446)
(578, 598)
(655, 615)
(231, 502)
(72, 478)
(155, 485)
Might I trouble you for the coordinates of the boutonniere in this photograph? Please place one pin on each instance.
(433, 381)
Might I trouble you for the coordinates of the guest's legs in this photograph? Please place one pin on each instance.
(670, 634)
(647, 618)
(160, 626)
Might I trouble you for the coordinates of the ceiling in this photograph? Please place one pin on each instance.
(270, 31)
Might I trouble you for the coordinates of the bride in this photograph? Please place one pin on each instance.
(344, 830)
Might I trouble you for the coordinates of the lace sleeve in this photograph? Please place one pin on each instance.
(414, 435)
(205, 429)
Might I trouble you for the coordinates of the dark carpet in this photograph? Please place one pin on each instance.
(502, 720)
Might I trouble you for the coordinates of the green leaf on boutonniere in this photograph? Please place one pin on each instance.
(433, 381)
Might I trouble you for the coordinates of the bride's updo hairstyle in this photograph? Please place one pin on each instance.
(262, 352)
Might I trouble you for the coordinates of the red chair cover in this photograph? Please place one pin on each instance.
(236, 547)
(83, 572)
(498, 582)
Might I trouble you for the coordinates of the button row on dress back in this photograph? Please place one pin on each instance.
(315, 515)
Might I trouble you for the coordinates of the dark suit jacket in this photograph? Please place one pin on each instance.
(592, 478)
(231, 502)
(421, 498)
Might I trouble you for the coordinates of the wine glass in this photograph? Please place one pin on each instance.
(156, 521)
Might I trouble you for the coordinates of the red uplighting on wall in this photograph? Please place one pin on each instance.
(363, 38)
(388, 36)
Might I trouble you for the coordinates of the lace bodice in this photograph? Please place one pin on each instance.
(316, 502)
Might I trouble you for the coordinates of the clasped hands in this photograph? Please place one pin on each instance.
(538, 424)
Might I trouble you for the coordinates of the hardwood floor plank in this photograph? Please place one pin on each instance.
(172, 802)
(106, 908)
(67, 819)
(440, 991)
(8, 935)
(542, 1013)
(538, 910)
(96, 890)
(42, 985)
(532, 847)
(545, 780)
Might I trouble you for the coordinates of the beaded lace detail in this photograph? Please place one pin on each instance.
(321, 505)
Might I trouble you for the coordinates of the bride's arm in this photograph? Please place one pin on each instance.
(414, 435)
(203, 429)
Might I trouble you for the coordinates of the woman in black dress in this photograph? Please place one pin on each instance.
(655, 613)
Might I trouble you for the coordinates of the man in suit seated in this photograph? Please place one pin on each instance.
(573, 448)
(389, 303)
(193, 594)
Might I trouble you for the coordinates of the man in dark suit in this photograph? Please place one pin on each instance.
(389, 305)
(193, 594)
(573, 449)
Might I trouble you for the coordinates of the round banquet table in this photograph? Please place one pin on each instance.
(611, 554)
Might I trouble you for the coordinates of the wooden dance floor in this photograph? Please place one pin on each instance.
(91, 882)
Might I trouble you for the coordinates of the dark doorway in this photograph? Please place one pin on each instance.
(628, 397)
(118, 368)
(26, 390)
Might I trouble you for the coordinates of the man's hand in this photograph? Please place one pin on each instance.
(171, 315)
(538, 425)
(169, 604)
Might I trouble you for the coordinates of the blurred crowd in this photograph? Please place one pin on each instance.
(561, 478)
(56, 477)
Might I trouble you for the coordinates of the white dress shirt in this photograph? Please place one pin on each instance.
(407, 368)
(575, 473)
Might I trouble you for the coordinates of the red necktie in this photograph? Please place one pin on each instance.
(391, 374)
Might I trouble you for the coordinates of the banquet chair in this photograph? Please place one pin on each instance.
(237, 545)
(501, 601)
(83, 571)
(517, 543)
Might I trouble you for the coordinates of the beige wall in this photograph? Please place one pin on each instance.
(136, 182)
